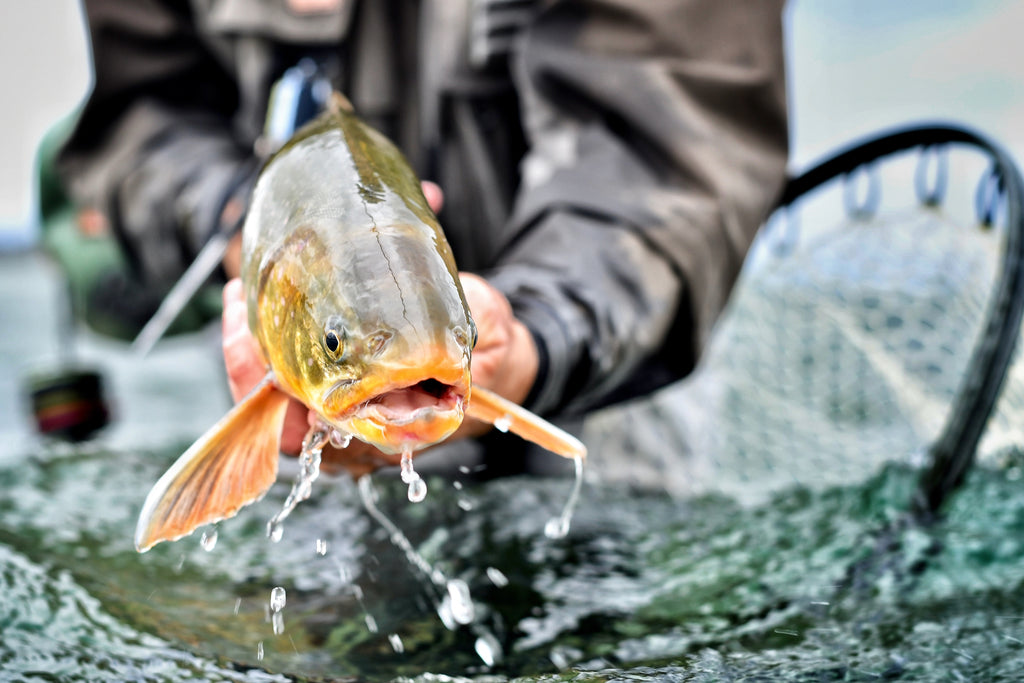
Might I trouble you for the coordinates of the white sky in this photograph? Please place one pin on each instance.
(855, 66)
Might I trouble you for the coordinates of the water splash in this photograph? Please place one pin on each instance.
(278, 597)
(340, 439)
(460, 601)
(208, 541)
(277, 602)
(417, 487)
(309, 470)
(456, 608)
(558, 527)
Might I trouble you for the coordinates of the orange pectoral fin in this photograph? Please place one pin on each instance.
(231, 465)
(487, 406)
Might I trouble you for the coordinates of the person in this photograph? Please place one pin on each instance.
(603, 164)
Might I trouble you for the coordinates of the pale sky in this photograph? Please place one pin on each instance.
(856, 66)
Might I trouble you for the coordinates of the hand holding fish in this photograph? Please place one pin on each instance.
(350, 306)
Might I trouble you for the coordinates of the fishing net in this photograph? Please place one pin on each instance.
(872, 323)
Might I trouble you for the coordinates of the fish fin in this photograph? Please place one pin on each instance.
(489, 407)
(339, 102)
(233, 464)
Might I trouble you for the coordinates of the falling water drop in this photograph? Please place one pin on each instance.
(396, 643)
(277, 599)
(559, 526)
(461, 602)
(259, 651)
(497, 577)
(503, 423)
(278, 623)
(417, 490)
(321, 546)
(340, 439)
(309, 470)
(488, 649)
(409, 475)
(208, 541)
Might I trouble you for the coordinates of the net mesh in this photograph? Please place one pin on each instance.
(838, 353)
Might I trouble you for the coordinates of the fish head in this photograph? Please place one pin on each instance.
(375, 335)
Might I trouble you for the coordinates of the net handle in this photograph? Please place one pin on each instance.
(953, 452)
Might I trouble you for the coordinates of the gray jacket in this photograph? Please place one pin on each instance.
(605, 164)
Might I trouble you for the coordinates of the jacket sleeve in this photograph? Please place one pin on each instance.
(658, 145)
(153, 146)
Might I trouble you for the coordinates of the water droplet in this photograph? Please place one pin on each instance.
(444, 611)
(396, 643)
(371, 623)
(275, 530)
(557, 527)
(464, 504)
(321, 546)
(259, 651)
(461, 602)
(408, 473)
(457, 485)
(497, 577)
(488, 649)
(208, 541)
(278, 622)
(277, 599)
(340, 439)
(238, 605)
(417, 490)
(503, 423)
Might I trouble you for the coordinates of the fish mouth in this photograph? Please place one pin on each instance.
(406, 415)
(402, 406)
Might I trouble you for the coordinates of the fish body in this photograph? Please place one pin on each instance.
(352, 289)
(355, 300)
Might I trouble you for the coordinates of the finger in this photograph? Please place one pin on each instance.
(433, 194)
(243, 360)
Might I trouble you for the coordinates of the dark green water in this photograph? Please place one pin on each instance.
(810, 586)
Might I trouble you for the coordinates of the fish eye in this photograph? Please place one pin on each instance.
(332, 341)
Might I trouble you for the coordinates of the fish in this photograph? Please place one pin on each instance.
(354, 298)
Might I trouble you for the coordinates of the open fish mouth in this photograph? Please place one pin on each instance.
(406, 414)
(425, 400)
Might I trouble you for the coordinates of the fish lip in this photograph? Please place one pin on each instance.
(452, 393)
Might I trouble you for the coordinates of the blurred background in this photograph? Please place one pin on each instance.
(855, 66)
